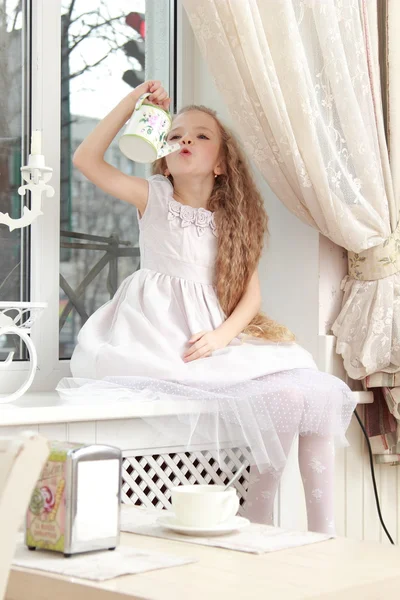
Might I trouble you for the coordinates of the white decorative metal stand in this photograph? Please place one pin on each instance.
(12, 314)
(12, 321)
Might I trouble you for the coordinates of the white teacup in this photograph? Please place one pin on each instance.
(203, 505)
(145, 137)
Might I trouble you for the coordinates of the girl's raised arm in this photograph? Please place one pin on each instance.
(89, 156)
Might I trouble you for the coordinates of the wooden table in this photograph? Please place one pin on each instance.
(340, 569)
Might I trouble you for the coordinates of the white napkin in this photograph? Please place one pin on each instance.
(97, 566)
(255, 539)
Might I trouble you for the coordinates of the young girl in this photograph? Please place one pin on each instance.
(187, 325)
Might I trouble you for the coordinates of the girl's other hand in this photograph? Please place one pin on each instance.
(203, 344)
(158, 94)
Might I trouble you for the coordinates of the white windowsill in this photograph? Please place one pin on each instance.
(46, 407)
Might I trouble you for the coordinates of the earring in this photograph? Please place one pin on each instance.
(215, 176)
(166, 173)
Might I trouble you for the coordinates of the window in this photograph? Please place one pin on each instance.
(106, 47)
(14, 122)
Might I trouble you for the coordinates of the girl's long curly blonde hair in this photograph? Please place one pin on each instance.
(241, 223)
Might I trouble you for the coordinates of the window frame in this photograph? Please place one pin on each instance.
(44, 242)
(45, 231)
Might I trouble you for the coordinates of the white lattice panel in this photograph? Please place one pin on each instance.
(147, 479)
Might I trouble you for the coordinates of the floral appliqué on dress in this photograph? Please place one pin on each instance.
(199, 217)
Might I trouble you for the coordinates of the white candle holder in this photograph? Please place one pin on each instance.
(36, 174)
(12, 322)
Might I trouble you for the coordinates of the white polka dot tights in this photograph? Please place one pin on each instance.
(317, 467)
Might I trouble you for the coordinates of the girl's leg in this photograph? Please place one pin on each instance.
(259, 505)
(317, 468)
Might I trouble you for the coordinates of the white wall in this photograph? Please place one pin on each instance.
(289, 267)
(300, 274)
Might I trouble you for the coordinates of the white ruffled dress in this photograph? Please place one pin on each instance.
(246, 393)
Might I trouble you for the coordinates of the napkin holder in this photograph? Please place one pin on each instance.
(75, 506)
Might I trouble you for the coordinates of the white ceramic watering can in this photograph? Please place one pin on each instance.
(145, 137)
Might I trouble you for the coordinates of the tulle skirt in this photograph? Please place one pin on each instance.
(251, 414)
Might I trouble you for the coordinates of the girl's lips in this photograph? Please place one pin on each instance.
(185, 152)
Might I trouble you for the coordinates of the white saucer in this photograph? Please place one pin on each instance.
(169, 522)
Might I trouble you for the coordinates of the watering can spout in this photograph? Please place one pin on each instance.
(168, 149)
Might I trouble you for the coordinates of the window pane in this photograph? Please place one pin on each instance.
(106, 52)
(13, 73)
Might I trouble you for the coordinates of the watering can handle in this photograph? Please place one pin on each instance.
(140, 100)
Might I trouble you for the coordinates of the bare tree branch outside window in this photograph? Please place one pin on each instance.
(96, 36)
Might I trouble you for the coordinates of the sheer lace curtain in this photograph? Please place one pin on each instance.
(301, 80)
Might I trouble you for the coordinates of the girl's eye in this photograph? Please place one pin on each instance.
(203, 137)
(174, 137)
